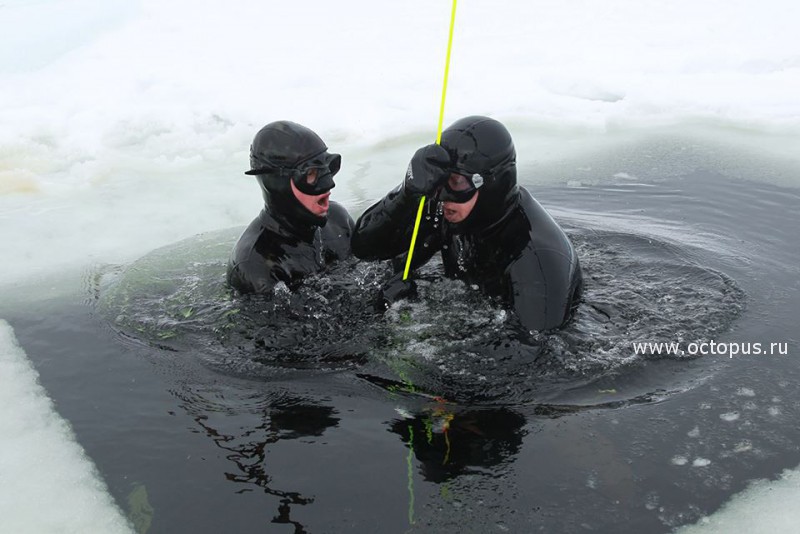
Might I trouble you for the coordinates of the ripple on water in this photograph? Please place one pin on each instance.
(450, 341)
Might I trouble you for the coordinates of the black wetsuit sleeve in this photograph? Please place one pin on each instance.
(384, 231)
(545, 279)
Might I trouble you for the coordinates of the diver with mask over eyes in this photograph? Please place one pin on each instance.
(299, 231)
(491, 232)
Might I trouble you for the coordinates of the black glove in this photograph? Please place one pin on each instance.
(393, 290)
(427, 170)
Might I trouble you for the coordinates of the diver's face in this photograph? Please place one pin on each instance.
(316, 204)
(460, 195)
(455, 212)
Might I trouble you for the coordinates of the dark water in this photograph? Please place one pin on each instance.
(307, 412)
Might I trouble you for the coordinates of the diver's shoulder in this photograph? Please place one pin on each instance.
(257, 240)
(546, 232)
(244, 246)
(249, 237)
(527, 200)
(334, 208)
(534, 209)
(339, 215)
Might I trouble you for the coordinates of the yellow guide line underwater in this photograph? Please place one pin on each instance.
(438, 137)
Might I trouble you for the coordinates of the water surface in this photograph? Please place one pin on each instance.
(308, 410)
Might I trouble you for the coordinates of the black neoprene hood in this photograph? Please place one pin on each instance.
(283, 144)
(277, 147)
(478, 144)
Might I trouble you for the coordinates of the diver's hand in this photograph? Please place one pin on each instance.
(393, 290)
(427, 170)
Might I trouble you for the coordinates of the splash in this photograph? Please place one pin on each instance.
(451, 341)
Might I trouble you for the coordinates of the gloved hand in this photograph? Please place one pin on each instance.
(393, 290)
(427, 170)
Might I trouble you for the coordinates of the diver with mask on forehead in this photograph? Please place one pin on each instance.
(491, 232)
(299, 231)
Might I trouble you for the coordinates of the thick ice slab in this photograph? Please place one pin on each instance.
(764, 507)
(47, 483)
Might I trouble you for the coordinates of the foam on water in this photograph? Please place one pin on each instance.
(48, 483)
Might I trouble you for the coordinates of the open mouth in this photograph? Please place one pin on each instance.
(323, 202)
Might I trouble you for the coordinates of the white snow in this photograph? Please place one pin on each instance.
(134, 119)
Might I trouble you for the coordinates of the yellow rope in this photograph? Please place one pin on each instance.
(446, 72)
(438, 137)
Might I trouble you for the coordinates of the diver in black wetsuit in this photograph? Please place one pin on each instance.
(491, 232)
(299, 231)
